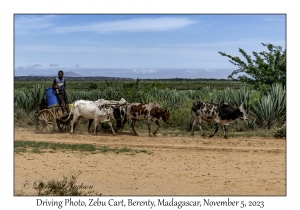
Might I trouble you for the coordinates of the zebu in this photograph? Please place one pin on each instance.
(98, 111)
(119, 112)
(150, 112)
(221, 114)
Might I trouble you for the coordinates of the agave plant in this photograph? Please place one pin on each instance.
(23, 101)
(36, 94)
(19, 114)
(240, 96)
(272, 107)
(31, 118)
(110, 93)
(77, 95)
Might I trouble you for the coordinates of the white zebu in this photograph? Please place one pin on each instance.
(98, 111)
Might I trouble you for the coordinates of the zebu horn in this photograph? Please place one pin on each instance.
(122, 104)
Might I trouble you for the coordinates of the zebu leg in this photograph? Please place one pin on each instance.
(224, 129)
(112, 129)
(123, 124)
(119, 124)
(132, 126)
(90, 124)
(158, 126)
(216, 130)
(193, 124)
(75, 118)
(149, 128)
(200, 126)
(79, 121)
(98, 127)
(96, 122)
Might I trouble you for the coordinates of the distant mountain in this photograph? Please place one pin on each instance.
(71, 74)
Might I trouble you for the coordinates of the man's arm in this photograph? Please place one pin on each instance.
(54, 85)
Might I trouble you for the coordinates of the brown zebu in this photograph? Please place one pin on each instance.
(150, 112)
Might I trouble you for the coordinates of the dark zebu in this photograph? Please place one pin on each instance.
(221, 114)
(119, 111)
(150, 112)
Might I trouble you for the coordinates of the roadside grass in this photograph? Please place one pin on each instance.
(234, 130)
(21, 146)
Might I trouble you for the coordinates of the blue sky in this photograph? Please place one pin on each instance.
(140, 46)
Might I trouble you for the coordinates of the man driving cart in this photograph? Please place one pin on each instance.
(59, 84)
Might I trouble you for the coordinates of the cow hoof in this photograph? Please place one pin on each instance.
(225, 137)
(211, 136)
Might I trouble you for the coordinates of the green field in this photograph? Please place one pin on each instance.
(266, 110)
(195, 84)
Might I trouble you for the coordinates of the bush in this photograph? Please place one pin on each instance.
(93, 86)
(280, 132)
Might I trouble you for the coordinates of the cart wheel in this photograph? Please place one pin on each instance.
(45, 121)
(63, 126)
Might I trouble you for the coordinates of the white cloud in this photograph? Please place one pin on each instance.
(210, 70)
(34, 66)
(197, 71)
(191, 71)
(27, 24)
(131, 25)
(53, 65)
(20, 67)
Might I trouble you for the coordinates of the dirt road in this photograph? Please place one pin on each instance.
(176, 166)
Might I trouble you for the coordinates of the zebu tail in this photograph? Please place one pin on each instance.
(70, 114)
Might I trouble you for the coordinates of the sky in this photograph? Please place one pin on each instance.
(140, 46)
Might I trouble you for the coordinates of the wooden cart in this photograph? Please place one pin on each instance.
(47, 118)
